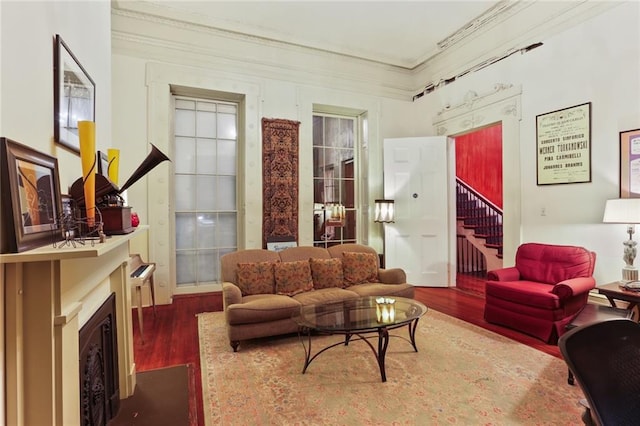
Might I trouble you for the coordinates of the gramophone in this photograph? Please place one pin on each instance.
(116, 217)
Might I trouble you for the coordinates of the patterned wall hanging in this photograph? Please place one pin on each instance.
(279, 179)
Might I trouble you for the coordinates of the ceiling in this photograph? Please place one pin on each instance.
(393, 32)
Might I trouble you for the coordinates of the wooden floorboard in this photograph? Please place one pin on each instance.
(171, 335)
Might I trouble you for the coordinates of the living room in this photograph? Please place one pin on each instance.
(135, 59)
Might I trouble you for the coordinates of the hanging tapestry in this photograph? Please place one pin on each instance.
(279, 179)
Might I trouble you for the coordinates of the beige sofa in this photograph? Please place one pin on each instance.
(256, 308)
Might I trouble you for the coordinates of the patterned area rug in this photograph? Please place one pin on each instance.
(280, 178)
(461, 375)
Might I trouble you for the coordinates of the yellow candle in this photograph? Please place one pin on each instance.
(113, 156)
(87, 135)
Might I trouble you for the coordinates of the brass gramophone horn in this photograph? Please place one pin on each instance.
(154, 158)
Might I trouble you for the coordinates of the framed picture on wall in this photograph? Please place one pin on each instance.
(630, 164)
(74, 94)
(563, 145)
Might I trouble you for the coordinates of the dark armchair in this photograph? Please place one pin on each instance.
(605, 359)
(545, 289)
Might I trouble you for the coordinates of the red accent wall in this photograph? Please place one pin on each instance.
(479, 161)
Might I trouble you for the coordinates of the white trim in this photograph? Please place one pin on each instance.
(159, 79)
(502, 104)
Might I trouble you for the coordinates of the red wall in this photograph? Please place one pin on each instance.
(479, 161)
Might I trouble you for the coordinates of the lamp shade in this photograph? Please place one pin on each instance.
(622, 210)
(384, 211)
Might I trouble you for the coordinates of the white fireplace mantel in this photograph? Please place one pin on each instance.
(49, 294)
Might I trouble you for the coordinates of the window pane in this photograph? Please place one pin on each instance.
(227, 226)
(206, 160)
(332, 131)
(185, 267)
(185, 192)
(228, 108)
(206, 124)
(226, 157)
(227, 126)
(185, 123)
(206, 230)
(206, 190)
(185, 231)
(185, 155)
(185, 104)
(346, 133)
(318, 130)
(226, 199)
(206, 268)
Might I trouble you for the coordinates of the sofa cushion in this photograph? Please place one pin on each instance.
(379, 289)
(260, 308)
(292, 277)
(256, 278)
(326, 273)
(325, 295)
(527, 293)
(359, 268)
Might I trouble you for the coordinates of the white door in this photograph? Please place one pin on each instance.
(418, 177)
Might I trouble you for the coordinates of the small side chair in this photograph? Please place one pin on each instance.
(605, 360)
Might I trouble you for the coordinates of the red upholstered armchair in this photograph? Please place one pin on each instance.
(543, 292)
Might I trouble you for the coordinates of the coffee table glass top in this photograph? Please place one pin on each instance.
(357, 314)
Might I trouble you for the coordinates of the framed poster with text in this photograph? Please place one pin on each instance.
(630, 164)
(563, 145)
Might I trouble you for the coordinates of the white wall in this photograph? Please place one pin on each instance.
(27, 35)
(587, 63)
(28, 32)
(596, 62)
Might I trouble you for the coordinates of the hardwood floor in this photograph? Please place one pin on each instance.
(171, 337)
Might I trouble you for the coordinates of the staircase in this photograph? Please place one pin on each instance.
(479, 231)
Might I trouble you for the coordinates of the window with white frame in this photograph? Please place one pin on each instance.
(206, 214)
(334, 170)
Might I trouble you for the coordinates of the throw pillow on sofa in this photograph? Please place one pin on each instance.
(292, 277)
(359, 268)
(326, 273)
(256, 278)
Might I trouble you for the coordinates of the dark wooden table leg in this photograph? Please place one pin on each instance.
(307, 347)
(383, 343)
(412, 333)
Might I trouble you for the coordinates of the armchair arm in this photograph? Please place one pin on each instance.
(392, 276)
(568, 288)
(231, 294)
(504, 274)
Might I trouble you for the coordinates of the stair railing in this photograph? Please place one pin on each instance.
(483, 216)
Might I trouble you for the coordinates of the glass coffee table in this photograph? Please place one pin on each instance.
(364, 317)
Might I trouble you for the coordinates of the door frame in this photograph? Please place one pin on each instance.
(503, 104)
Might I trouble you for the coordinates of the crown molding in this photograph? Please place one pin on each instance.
(497, 14)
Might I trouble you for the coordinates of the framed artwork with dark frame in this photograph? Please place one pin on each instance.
(563, 145)
(31, 187)
(630, 164)
(74, 94)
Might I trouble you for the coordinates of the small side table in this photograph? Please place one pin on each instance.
(592, 313)
(614, 291)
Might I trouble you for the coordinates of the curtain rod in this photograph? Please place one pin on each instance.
(433, 86)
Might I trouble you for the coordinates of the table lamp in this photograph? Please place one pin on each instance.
(626, 211)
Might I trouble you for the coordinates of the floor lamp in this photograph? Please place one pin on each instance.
(625, 211)
(384, 213)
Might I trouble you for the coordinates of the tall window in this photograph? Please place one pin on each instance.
(334, 165)
(205, 187)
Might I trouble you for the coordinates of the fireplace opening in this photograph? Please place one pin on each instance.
(99, 384)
